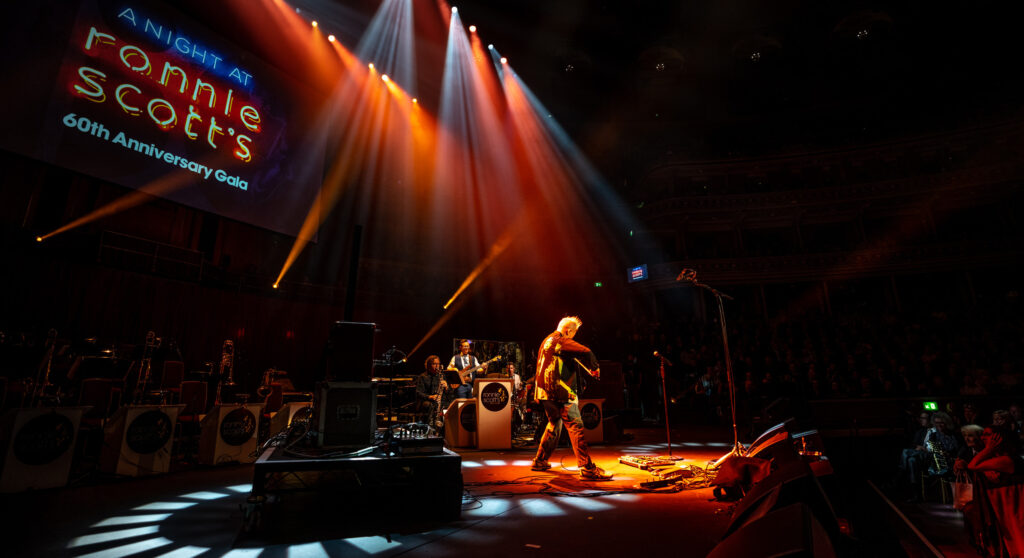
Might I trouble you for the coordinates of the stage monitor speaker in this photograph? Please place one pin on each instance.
(790, 531)
(791, 483)
(40, 446)
(345, 413)
(229, 434)
(138, 440)
(776, 443)
(350, 352)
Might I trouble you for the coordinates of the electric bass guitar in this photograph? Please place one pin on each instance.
(466, 372)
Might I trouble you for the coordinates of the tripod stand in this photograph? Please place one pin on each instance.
(690, 276)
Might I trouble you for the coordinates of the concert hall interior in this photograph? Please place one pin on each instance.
(711, 278)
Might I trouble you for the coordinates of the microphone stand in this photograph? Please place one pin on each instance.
(664, 397)
(389, 361)
(737, 448)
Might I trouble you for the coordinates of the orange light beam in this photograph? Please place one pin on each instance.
(433, 329)
(496, 249)
(161, 186)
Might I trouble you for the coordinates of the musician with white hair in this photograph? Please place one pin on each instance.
(555, 370)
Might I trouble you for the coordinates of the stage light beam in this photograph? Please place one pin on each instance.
(158, 188)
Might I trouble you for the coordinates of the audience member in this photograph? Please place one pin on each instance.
(999, 470)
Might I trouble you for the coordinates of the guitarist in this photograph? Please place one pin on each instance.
(553, 390)
(431, 389)
(460, 363)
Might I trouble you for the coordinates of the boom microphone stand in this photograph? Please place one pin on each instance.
(690, 276)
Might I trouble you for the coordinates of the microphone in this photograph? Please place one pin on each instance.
(662, 357)
(688, 275)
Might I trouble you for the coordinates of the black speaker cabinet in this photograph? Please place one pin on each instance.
(791, 531)
(345, 413)
(791, 483)
(775, 443)
(350, 352)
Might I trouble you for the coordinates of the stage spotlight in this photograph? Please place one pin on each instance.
(275, 285)
(39, 239)
(330, 38)
(490, 47)
(384, 77)
(370, 65)
(455, 10)
(315, 23)
(504, 60)
(472, 28)
(298, 11)
(415, 100)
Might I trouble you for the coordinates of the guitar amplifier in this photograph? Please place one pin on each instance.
(345, 414)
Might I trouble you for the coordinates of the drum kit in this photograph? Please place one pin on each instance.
(526, 415)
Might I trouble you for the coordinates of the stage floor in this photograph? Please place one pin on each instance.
(508, 510)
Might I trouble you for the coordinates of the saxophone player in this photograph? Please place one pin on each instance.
(432, 392)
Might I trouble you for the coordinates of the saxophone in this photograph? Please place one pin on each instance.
(439, 415)
(145, 367)
(227, 362)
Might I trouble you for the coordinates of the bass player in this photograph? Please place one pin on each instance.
(462, 362)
